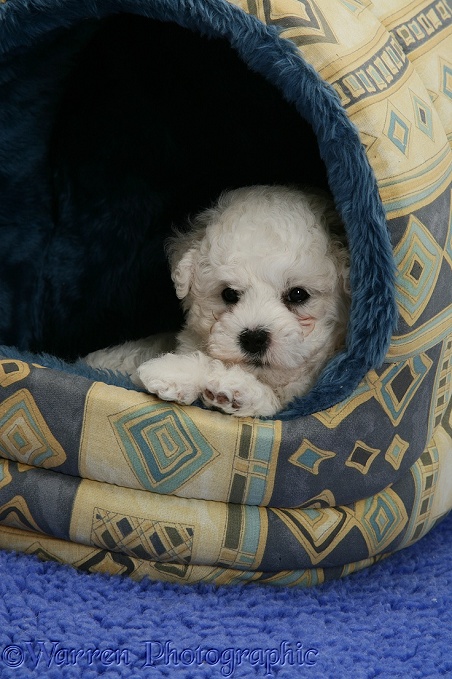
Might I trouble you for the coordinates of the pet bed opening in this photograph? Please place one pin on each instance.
(139, 121)
(145, 136)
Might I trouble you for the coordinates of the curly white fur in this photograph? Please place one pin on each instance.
(277, 253)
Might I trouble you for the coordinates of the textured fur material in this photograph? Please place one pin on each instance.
(392, 620)
(67, 286)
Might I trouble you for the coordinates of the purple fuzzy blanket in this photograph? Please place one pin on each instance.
(391, 621)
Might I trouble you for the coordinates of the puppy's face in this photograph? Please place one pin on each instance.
(262, 280)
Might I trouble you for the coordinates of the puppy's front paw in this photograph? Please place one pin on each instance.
(169, 380)
(241, 394)
(214, 396)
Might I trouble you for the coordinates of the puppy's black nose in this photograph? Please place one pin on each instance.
(254, 342)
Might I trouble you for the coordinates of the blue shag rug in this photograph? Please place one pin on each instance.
(393, 620)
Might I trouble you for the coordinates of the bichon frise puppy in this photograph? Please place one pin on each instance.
(263, 279)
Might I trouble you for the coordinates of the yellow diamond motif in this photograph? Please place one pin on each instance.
(396, 387)
(396, 451)
(324, 499)
(12, 371)
(16, 514)
(381, 518)
(309, 457)
(25, 435)
(362, 457)
(418, 258)
(5, 476)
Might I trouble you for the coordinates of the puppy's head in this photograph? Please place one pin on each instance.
(263, 276)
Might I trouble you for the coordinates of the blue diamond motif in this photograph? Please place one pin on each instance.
(309, 458)
(382, 519)
(424, 119)
(163, 446)
(398, 131)
(447, 81)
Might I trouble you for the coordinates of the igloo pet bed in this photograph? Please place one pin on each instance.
(118, 119)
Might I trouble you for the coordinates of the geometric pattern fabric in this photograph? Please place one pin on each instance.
(153, 489)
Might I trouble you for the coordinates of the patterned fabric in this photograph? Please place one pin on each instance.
(113, 480)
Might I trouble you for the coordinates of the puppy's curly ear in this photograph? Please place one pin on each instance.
(182, 250)
(182, 273)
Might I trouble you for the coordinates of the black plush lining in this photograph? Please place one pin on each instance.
(153, 121)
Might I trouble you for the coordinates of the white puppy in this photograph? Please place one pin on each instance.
(263, 279)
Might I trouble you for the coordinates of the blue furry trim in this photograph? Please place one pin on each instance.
(24, 23)
(79, 368)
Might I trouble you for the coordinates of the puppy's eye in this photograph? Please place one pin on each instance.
(297, 296)
(230, 296)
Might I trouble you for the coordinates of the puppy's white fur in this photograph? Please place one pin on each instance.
(262, 243)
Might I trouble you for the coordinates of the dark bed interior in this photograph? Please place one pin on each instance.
(152, 124)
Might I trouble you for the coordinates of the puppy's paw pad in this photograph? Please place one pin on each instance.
(222, 398)
(240, 395)
(218, 398)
